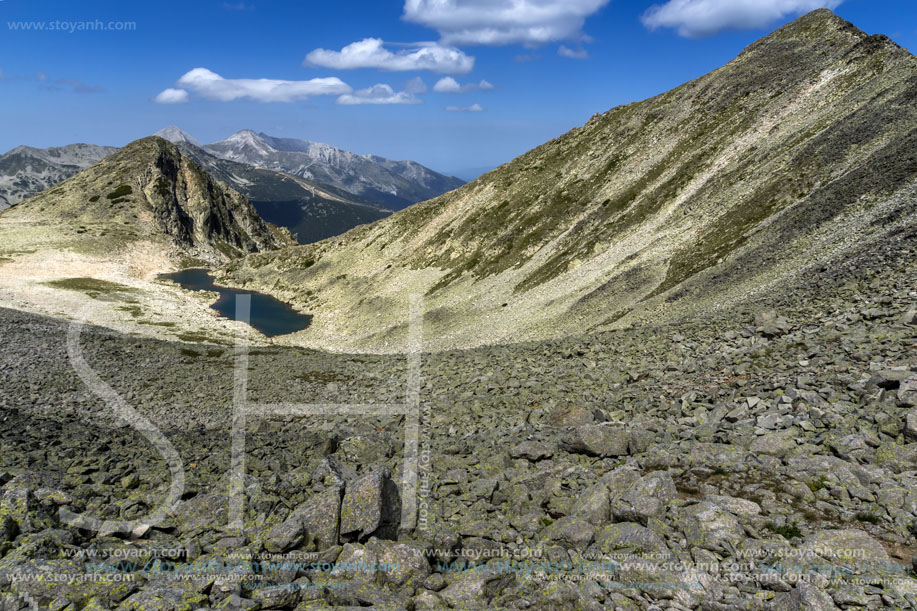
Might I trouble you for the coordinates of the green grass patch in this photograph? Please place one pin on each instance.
(818, 484)
(187, 262)
(91, 286)
(869, 518)
(787, 531)
(120, 192)
(95, 198)
(227, 250)
(134, 310)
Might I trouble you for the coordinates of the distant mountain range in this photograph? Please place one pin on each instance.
(396, 184)
(25, 171)
(312, 211)
(315, 190)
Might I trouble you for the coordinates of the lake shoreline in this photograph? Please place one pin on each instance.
(270, 316)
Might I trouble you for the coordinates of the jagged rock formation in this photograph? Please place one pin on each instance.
(311, 210)
(25, 171)
(150, 191)
(730, 186)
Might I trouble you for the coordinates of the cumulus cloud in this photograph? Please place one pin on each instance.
(212, 86)
(378, 94)
(371, 53)
(172, 96)
(502, 22)
(450, 85)
(580, 53)
(698, 18)
(415, 86)
(472, 108)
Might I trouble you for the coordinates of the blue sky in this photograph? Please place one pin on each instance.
(526, 70)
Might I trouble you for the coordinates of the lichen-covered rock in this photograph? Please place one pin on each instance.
(399, 564)
(313, 524)
(644, 499)
(596, 440)
(371, 506)
(570, 532)
(708, 526)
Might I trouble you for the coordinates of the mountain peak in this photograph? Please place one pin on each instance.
(177, 135)
(149, 190)
(820, 25)
(390, 183)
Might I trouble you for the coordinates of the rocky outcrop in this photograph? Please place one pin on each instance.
(148, 190)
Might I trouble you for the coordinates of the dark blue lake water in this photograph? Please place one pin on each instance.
(269, 316)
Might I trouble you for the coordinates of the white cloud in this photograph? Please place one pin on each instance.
(379, 94)
(697, 18)
(501, 22)
(415, 86)
(450, 85)
(212, 86)
(370, 53)
(172, 96)
(472, 108)
(580, 53)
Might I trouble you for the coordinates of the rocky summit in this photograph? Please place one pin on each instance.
(665, 362)
(150, 191)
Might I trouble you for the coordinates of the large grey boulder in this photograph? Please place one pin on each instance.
(570, 532)
(772, 444)
(645, 499)
(910, 425)
(805, 597)
(171, 595)
(907, 392)
(398, 564)
(709, 526)
(532, 451)
(595, 440)
(313, 524)
(629, 538)
(372, 506)
(770, 324)
(475, 588)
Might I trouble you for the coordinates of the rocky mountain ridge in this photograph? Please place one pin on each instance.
(25, 171)
(734, 184)
(393, 183)
(149, 190)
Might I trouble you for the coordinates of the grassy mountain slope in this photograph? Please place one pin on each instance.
(727, 187)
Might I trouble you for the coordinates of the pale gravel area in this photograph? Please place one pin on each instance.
(30, 258)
